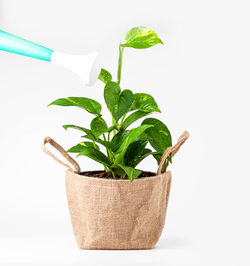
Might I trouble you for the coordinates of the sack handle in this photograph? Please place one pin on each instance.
(173, 150)
(63, 152)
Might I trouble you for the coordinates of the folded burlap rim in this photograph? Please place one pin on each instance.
(76, 168)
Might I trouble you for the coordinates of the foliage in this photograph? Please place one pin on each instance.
(125, 148)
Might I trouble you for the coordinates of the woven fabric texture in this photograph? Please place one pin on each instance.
(117, 214)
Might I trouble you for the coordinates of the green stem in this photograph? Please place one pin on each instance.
(113, 123)
(104, 137)
(107, 150)
(119, 72)
(124, 116)
(113, 174)
(95, 146)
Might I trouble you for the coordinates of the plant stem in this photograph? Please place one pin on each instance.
(113, 123)
(104, 138)
(122, 120)
(94, 144)
(120, 64)
(112, 173)
(107, 150)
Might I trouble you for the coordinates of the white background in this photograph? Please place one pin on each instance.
(200, 79)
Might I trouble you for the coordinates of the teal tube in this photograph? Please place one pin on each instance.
(13, 44)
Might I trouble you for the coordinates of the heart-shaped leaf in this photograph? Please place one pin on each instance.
(141, 38)
(145, 103)
(159, 135)
(87, 104)
(98, 126)
(105, 76)
(118, 103)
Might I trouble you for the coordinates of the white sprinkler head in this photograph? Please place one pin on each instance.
(85, 66)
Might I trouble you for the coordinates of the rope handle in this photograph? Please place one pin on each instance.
(63, 152)
(173, 150)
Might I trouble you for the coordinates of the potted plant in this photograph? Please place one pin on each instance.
(121, 206)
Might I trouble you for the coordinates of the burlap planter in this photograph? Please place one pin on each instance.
(117, 214)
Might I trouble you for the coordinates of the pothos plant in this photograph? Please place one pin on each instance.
(125, 147)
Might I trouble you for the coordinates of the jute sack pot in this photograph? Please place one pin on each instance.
(117, 214)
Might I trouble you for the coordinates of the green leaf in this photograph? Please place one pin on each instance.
(118, 171)
(85, 130)
(134, 151)
(124, 104)
(87, 104)
(159, 135)
(132, 136)
(105, 76)
(111, 95)
(141, 38)
(130, 171)
(132, 118)
(102, 142)
(95, 155)
(80, 147)
(118, 139)
(145, 153)
(145, 103)
(111, 128)
(118, 103)
(98, 126)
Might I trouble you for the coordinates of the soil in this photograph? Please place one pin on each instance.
(108, 175)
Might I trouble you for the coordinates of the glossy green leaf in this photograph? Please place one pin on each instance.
(132, 118)
(105, 76)
(118, 102)
(141, 38)
(98, 126)
(102, 142)
(87, 104)
(95, 155)
(111, 128)
(159, 135)
(134, 151)
(145, 103)
(124, 104)
(132, 136)
(145, 153)
(80, 147)
(118, 139)
(111, 95)
(130, 171)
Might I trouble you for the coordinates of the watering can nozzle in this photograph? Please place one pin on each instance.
(85, 66)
